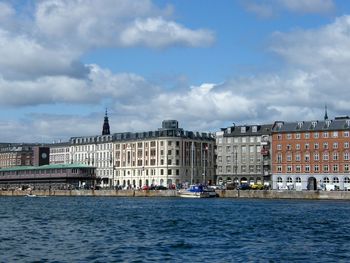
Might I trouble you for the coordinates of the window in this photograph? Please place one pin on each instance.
(325, 168)
(279, 158)
(289, 157)
(251, 149)
(297, 146)
(335, 156)
(307, 135)
(279, 147)
(326, 180)
(325, 156)
(307, 157)
(297, 157)
(346, 134)
(346, 156)
(316, 156)
(252, 139)
(289, 180)
(289, 169)
(298, 168)
(325, 145)
(346, 168)
(244, 139)
(298, 180)
(325, 135)
(335, 145)
(279, 169)
(289, 136)
(316, 146)
(335, 168)
(346, 145)
(347, 180)
(335, 134)
(279, 136)
(279, 179)
(316, 168)
(316, 135)
(289, 147)
(307, 146)
(297, 136)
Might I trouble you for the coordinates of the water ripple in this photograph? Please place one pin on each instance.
(88, 229)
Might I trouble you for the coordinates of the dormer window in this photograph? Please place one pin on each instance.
(243, 129)
(328, 123)
(254, 129)
(300, 124)
(313, 124)
(228, 130)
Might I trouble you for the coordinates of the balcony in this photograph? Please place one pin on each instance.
(264, 152)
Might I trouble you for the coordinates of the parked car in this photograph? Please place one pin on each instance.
(160, 187)
(145, 187)
(257, 187)
(244, 187)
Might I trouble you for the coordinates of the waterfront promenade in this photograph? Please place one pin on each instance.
(257, 194)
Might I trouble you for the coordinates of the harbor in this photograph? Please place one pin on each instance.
(248, 194)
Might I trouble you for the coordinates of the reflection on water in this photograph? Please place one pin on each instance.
(88, 229)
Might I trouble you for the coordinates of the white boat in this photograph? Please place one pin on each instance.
(197, 191)
(30, 195)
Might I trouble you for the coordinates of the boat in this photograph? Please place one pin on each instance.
(197, 191)
(30, 195)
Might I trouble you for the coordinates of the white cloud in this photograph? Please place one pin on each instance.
(156, 32)
(125, 23)
(270, 8)
(308, 6)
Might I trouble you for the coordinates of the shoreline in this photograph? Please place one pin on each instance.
(248, 194)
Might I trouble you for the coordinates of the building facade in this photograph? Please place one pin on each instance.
(59, 153)
(168, 156)
(95, 151)
(311, 154)
(15, 154)
(243, 155)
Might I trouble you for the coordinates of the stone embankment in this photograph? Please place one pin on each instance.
(258, 194)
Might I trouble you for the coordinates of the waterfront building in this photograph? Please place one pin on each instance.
(311, 154)
(16, 154)
(59, 153)
(168, 156)
(243, 154)
(54, 176)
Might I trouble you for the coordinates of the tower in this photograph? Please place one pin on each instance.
(325, 113)
(105, 129)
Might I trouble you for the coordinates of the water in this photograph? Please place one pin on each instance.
(88, 229)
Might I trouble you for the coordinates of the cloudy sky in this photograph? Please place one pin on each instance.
(205, 63)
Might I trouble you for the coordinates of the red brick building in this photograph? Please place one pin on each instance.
(311, 154)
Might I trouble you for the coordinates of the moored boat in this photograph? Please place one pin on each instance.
(197, 191)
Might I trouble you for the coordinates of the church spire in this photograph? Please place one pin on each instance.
(105, 130)
(325, 113)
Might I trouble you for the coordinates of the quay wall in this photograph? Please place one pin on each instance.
(258, 194)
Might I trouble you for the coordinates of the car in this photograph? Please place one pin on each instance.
(257, 186)
(145, 187)
(244, 186)
(161, 187)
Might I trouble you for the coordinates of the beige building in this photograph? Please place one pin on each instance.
(168, 156)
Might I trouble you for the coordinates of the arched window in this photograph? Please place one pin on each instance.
(289, 180)
(335, 180)
(298, 180)
(229, 180)
(347, 180)
(279, 179)
(326, 180)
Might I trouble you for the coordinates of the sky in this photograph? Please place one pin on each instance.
(205, 63)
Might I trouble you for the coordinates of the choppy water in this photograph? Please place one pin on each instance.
(87, 229)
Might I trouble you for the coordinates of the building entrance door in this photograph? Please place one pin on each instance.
(312, 184)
